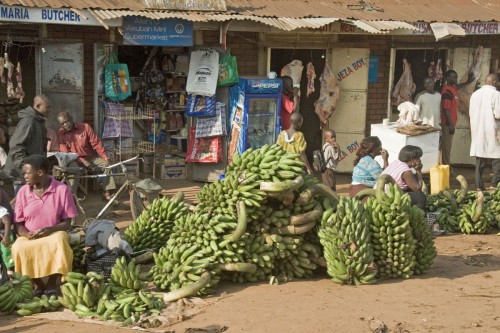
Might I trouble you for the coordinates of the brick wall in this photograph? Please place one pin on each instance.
(242, 44)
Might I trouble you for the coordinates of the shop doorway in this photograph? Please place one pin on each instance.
(423, 63)
(24, 54)
(310, 128)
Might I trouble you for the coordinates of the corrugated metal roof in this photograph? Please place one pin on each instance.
(376, 16)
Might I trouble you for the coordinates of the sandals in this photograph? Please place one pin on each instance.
(51, 292)
(38, 292)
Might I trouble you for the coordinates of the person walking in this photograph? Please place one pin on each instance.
(29, 138)
(449, 113)
(484, 112)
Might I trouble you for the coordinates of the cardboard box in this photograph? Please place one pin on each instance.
(173, 172)
(174, 161)
(132, 169)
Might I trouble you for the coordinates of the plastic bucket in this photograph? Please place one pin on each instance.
(440, 178)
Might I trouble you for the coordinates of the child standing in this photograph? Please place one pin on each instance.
(331, 153)
(6, 214)
(293, 141)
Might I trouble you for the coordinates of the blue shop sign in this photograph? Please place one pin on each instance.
(138, 30)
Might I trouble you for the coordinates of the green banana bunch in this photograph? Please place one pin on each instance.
(17, 290)
(37, 305)
(78, 255)
(127, 276)
(425, 251)
(345, 236)
(472, 217)
(83, 290)
(154, 226)
(392, 238)
(127, 307)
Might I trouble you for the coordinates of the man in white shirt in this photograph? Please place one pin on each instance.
(429, 102)
(484, 112)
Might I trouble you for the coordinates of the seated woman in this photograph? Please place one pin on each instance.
(401, 171)
(43, 212)
(366, 170)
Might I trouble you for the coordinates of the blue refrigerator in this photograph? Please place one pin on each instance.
(254, 114)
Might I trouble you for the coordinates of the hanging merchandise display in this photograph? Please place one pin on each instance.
(228, 70)
(200, 106)
(117, 80)
(113, 126)
(204, 150)
(328, 96)
(203, 72)
(207, 127)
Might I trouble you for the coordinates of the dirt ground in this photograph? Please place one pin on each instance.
(460, 293)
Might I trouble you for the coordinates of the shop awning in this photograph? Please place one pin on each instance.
(380, 27)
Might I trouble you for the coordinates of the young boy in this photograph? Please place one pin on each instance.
(293, 141)
(331, 152)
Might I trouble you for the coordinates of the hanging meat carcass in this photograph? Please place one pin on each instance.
(19, 93)
(435, 70)
(10, 85)
(405, 87)
(294, 70)
(2, 70)
(311, 76)
(465, 92)
(328, 96)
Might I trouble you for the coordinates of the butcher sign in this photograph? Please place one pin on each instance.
(352, 68)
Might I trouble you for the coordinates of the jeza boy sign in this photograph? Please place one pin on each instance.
(356, 65)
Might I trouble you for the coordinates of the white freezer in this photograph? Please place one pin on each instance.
(392, 141)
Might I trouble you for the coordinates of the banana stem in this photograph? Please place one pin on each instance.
(144, 257)
(453, 202)
(286, 197)
(241, 267)
(318, 261)
(463, 188)
(325, 191)
(384, 179)
(479, 206)
(295, 230)
(188, 290)
(308, 217)
(369, 192)
(242, 222)
(282, 186)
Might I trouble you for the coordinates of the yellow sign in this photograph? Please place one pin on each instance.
(211, 5)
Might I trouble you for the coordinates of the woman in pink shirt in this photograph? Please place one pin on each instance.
(402, 172)
(288, 102)
(43, 213)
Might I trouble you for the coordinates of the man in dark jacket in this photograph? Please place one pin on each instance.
(30, 137)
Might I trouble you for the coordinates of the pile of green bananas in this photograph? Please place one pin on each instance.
(17, 290)
(37, 305)
(90, 296)
(127, 276)
(154, 226)
(126, 307)
(425, 251)
(248, 226)
(392, 238)
(345, 236)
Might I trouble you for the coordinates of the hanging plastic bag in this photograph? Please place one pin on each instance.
(116, 80)
(203, 72)
(228, 70)
(204, 150)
